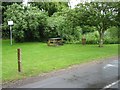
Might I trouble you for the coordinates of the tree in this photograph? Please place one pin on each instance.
(4, 7)
(27, 22)
(99, 14)
(59, 25)
(50, 7)
(5, 33)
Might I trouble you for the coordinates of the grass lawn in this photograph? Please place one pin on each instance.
(39, 58)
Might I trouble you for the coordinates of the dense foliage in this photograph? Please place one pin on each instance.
(102, 15)
(98, 22)
(27, 22)
(50, 7)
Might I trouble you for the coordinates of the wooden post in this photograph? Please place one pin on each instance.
(83, 40)
(19, 59)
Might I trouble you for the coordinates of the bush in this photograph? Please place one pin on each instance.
(58, 26)
(110, 40)
(111, 36)
(72, 35)
(92, 38)
(27, 22)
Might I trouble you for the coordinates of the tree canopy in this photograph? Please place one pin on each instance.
(42, 20)
(102, 15)
(26, 20)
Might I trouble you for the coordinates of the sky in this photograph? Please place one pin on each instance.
(72, 2)
(75, 2)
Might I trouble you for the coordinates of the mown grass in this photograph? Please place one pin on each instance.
(39, 58)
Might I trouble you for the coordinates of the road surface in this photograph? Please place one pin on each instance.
(97, 74)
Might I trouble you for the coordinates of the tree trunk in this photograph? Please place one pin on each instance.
(101, 39)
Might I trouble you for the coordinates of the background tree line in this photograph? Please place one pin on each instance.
(97, 21)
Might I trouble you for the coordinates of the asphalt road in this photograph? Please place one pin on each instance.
(98, 74)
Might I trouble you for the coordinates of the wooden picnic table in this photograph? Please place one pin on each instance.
(55, 41)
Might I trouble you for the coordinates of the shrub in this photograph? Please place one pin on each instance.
(111, 36)
(27, 22)
(92, 38)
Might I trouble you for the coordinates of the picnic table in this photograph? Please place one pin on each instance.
(55, 41)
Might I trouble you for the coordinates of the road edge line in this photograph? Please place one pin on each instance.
(110, 85)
